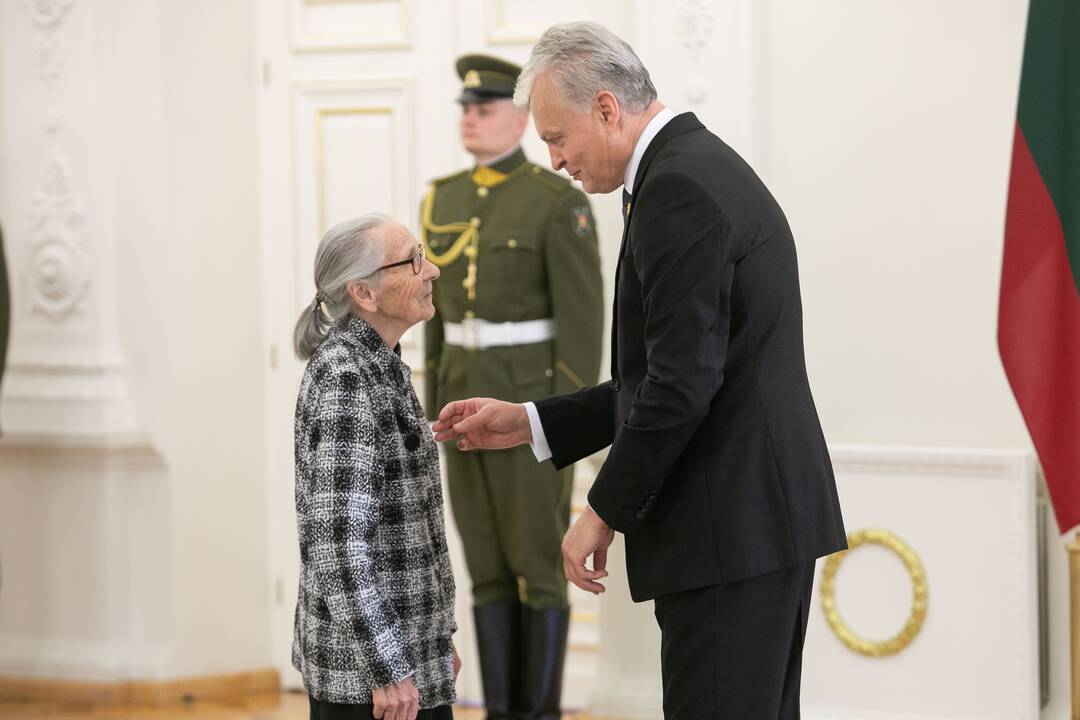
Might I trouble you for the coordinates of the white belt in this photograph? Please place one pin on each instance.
(476, 334)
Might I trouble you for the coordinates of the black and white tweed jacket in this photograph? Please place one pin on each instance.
(376, 600)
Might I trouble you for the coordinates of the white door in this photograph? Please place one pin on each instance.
(356, 113)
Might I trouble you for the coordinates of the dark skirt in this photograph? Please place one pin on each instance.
(321, 710)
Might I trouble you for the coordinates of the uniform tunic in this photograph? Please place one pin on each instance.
(536, 257)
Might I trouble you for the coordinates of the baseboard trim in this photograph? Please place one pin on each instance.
(142, 693)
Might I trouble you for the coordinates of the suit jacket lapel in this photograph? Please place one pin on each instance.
(677, 126)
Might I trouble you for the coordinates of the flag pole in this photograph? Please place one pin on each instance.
(1074, 603)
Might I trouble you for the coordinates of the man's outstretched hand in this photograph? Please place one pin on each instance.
(483, 424)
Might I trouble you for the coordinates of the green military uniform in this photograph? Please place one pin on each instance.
(5, 310)
(529, 251)
(516, 244)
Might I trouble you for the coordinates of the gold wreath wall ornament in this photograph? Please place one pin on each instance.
(919, 594)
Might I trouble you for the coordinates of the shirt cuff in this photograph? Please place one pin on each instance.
(539, 442)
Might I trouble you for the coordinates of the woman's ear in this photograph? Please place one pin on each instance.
(363, 295)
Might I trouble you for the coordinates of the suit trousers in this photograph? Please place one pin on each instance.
(322, 710)
(734, 651)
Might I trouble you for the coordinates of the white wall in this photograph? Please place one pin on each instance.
(886, 133)
(209, 285)
(144, 554)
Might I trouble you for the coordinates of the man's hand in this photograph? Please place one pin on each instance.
(400, 701)
(457, 662)
(588, 536)
(483, 424)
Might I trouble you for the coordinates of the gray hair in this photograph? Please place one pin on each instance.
(348, 251)
(585, 58)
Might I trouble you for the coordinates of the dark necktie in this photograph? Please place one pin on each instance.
(625, 206)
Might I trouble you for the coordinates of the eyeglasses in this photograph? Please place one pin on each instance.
(417, 261)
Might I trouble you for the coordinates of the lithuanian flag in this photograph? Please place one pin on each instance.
(1039, 311)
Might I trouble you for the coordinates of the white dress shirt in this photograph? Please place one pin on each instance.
(651, 130)
(539, 443)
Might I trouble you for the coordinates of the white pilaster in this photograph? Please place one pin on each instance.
(66, 375)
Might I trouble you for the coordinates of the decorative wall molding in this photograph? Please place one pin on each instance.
(122, 453)
(47, 16)
(365, 27)
(65, 375)
(972, 516)
(501, 31)
(332, 122)
(325, 114)
(66, 359)
(59, 277)
(1001, 464)
(694, 21)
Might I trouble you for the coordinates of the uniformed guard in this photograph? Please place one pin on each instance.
(5, 310)
(519, 317)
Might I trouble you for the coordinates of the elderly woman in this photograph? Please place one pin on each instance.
(375, 613)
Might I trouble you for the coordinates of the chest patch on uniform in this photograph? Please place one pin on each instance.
(581, 220)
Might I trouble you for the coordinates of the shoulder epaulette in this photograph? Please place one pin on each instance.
(548, 179)
(447, 178)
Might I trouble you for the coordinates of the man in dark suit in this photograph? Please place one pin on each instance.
(718, 473)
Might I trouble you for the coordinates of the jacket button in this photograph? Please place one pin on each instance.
(618, 386)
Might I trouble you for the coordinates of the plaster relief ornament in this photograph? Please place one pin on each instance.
(46, 17)
(58, 269)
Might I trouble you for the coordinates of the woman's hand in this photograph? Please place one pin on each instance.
(400, 701)
(457, 662)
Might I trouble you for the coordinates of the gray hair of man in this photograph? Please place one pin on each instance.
(584, 59)
(349, 251)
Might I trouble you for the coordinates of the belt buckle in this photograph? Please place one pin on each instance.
(470, 334)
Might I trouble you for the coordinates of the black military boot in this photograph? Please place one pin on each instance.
(545, 650)
(498, 640)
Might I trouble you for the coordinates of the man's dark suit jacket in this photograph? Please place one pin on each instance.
(718, 469)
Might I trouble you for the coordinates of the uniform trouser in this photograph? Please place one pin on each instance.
(734, 651)
(511, 513)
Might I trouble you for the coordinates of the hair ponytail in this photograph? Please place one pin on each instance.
(348, 251)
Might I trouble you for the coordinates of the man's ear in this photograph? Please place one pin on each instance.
(363, 295)
(607, 105)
